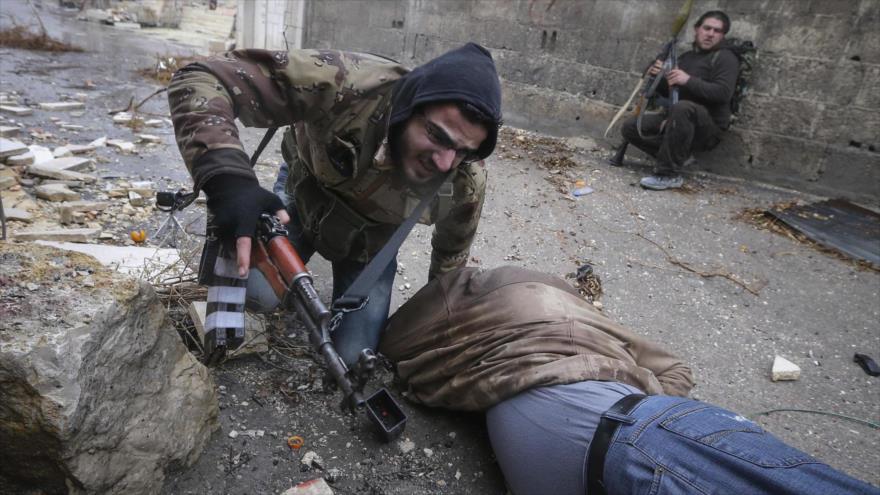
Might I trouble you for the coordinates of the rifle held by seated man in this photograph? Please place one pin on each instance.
(648, 84)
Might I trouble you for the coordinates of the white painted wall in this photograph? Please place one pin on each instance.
(264, 24)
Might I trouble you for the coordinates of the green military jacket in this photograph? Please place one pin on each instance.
(471, 339)
(347, 193)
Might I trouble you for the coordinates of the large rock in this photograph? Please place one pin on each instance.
(98, 394)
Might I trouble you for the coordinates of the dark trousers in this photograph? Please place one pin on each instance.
(672, 137)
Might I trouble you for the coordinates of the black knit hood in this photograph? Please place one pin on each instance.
(465, 74)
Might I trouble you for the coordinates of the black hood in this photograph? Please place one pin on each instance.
(466, 74)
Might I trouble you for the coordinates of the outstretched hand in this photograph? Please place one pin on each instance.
(237, 203)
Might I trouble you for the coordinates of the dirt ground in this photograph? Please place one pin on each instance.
(683, 268)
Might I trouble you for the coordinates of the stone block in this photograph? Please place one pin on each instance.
(135, 199)
(62, 106)
(7, 181)
(61, 235)
(841, 126)
(255, 338)
(125, 259)
(100, 395)
(785, 116)
(16, 110)
(11, 147)
(40, 170)
(67, 210)
(856, 171)
(68, 164)
(9, 131)
(17, 215)
(56, 192)
(123, 146)
(149, 138)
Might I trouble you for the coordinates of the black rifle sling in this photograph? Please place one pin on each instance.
(266, 138)
(355, 296)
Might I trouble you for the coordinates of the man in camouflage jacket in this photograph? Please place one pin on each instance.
(367, 140)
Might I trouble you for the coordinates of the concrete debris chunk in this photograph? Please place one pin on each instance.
(40, 170)
(11, 147)
(153, 123)
(8, 131)
(136, 199)
(406, 445)
(61, 235)
(79, 149)
(69, 164)
(16, 110)
(312, 459)
(7, 181)
(99, 143)
(122, 118)
(145, 188)
(62, 105)
(68, 209)
(783, 369)
(22, 159)
(72, 127)
(56, 192)
(149, 138)
(61, 152)
(126, 259)
(123, 146)
(317, 486)
(18, 215)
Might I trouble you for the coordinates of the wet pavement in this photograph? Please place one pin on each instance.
(682, 268)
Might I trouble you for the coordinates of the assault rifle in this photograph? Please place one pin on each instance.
(275, 257)
(648, 84)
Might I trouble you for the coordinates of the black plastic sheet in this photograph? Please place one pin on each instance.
(839, 225)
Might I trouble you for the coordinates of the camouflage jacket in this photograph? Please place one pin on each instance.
(348, 195)
(471, 339)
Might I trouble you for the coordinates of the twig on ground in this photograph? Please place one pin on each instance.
(686, 266)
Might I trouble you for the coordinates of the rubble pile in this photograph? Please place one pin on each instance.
(53, 183)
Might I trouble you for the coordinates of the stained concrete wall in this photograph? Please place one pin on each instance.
(812, 121)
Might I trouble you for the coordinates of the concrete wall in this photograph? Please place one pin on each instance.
(812, 121)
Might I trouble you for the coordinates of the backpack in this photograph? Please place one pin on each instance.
(746, 53)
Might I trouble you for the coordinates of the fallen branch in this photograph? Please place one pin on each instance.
(686, 266)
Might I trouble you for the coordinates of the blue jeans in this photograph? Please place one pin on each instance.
(359, 329)
(672, 445)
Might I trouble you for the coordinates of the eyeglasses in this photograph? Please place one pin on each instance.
(439, 137)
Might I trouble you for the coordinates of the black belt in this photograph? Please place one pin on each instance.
(602, 439)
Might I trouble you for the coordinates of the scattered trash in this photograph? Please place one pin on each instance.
(588, 283)
(785, 370)
(295, 442)
(869, 365)
(836, 225)
(582, 191)
(138, 236)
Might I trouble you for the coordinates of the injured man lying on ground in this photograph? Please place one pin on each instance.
(576, 403)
